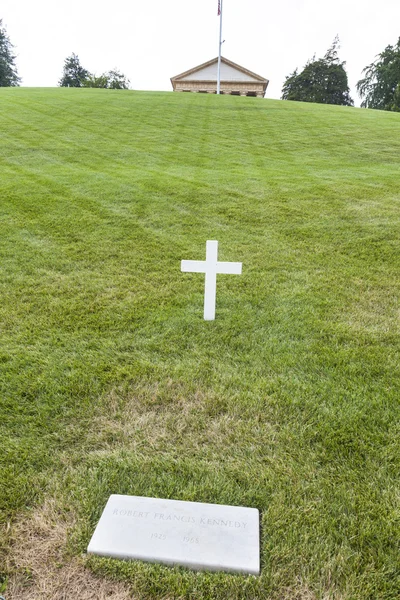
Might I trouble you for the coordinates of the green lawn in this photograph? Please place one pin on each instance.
(111, 382)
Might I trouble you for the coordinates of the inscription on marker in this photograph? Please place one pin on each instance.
(192, 534)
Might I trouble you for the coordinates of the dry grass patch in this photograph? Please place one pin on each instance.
(41, 568)
(170, 418)
(375, 310)
(303, 593)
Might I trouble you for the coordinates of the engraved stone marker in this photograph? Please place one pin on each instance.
(192, 534)
(211, 267)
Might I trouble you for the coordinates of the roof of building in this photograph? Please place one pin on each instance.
(230, 71)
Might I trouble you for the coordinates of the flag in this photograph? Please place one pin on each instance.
(219, 7)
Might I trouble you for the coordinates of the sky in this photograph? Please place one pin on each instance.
(151, 41)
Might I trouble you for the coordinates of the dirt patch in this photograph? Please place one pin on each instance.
(41, 568)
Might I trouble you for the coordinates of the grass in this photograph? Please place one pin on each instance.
(111, 382)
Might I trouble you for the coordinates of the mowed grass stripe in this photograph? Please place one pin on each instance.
(111, 382)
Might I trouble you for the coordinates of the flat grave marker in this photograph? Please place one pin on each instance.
(200, 536)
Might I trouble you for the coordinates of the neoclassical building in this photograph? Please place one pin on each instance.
(235, 80)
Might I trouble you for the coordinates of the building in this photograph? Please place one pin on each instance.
(235, 80)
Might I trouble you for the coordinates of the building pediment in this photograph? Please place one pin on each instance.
(208, 71)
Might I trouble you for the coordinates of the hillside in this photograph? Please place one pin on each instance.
(111, 382)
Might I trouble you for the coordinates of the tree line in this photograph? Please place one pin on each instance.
(323, 80)
(74, 75)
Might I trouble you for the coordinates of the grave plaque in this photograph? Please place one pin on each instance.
(191, 534)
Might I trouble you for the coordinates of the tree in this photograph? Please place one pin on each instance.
(74, 75)
(380, 86)
(112, 80)
(117, 81)
(96, 82)
(8, 71)
(323, 81)
(396, 99)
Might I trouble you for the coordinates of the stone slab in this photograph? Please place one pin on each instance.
(210, 537)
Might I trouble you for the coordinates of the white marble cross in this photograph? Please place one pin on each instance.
(211, 267)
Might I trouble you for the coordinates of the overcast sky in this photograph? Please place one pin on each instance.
(150, 41)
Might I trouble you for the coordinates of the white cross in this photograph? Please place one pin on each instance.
(211, 267)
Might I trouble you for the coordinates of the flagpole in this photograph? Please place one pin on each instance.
(220, 47)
